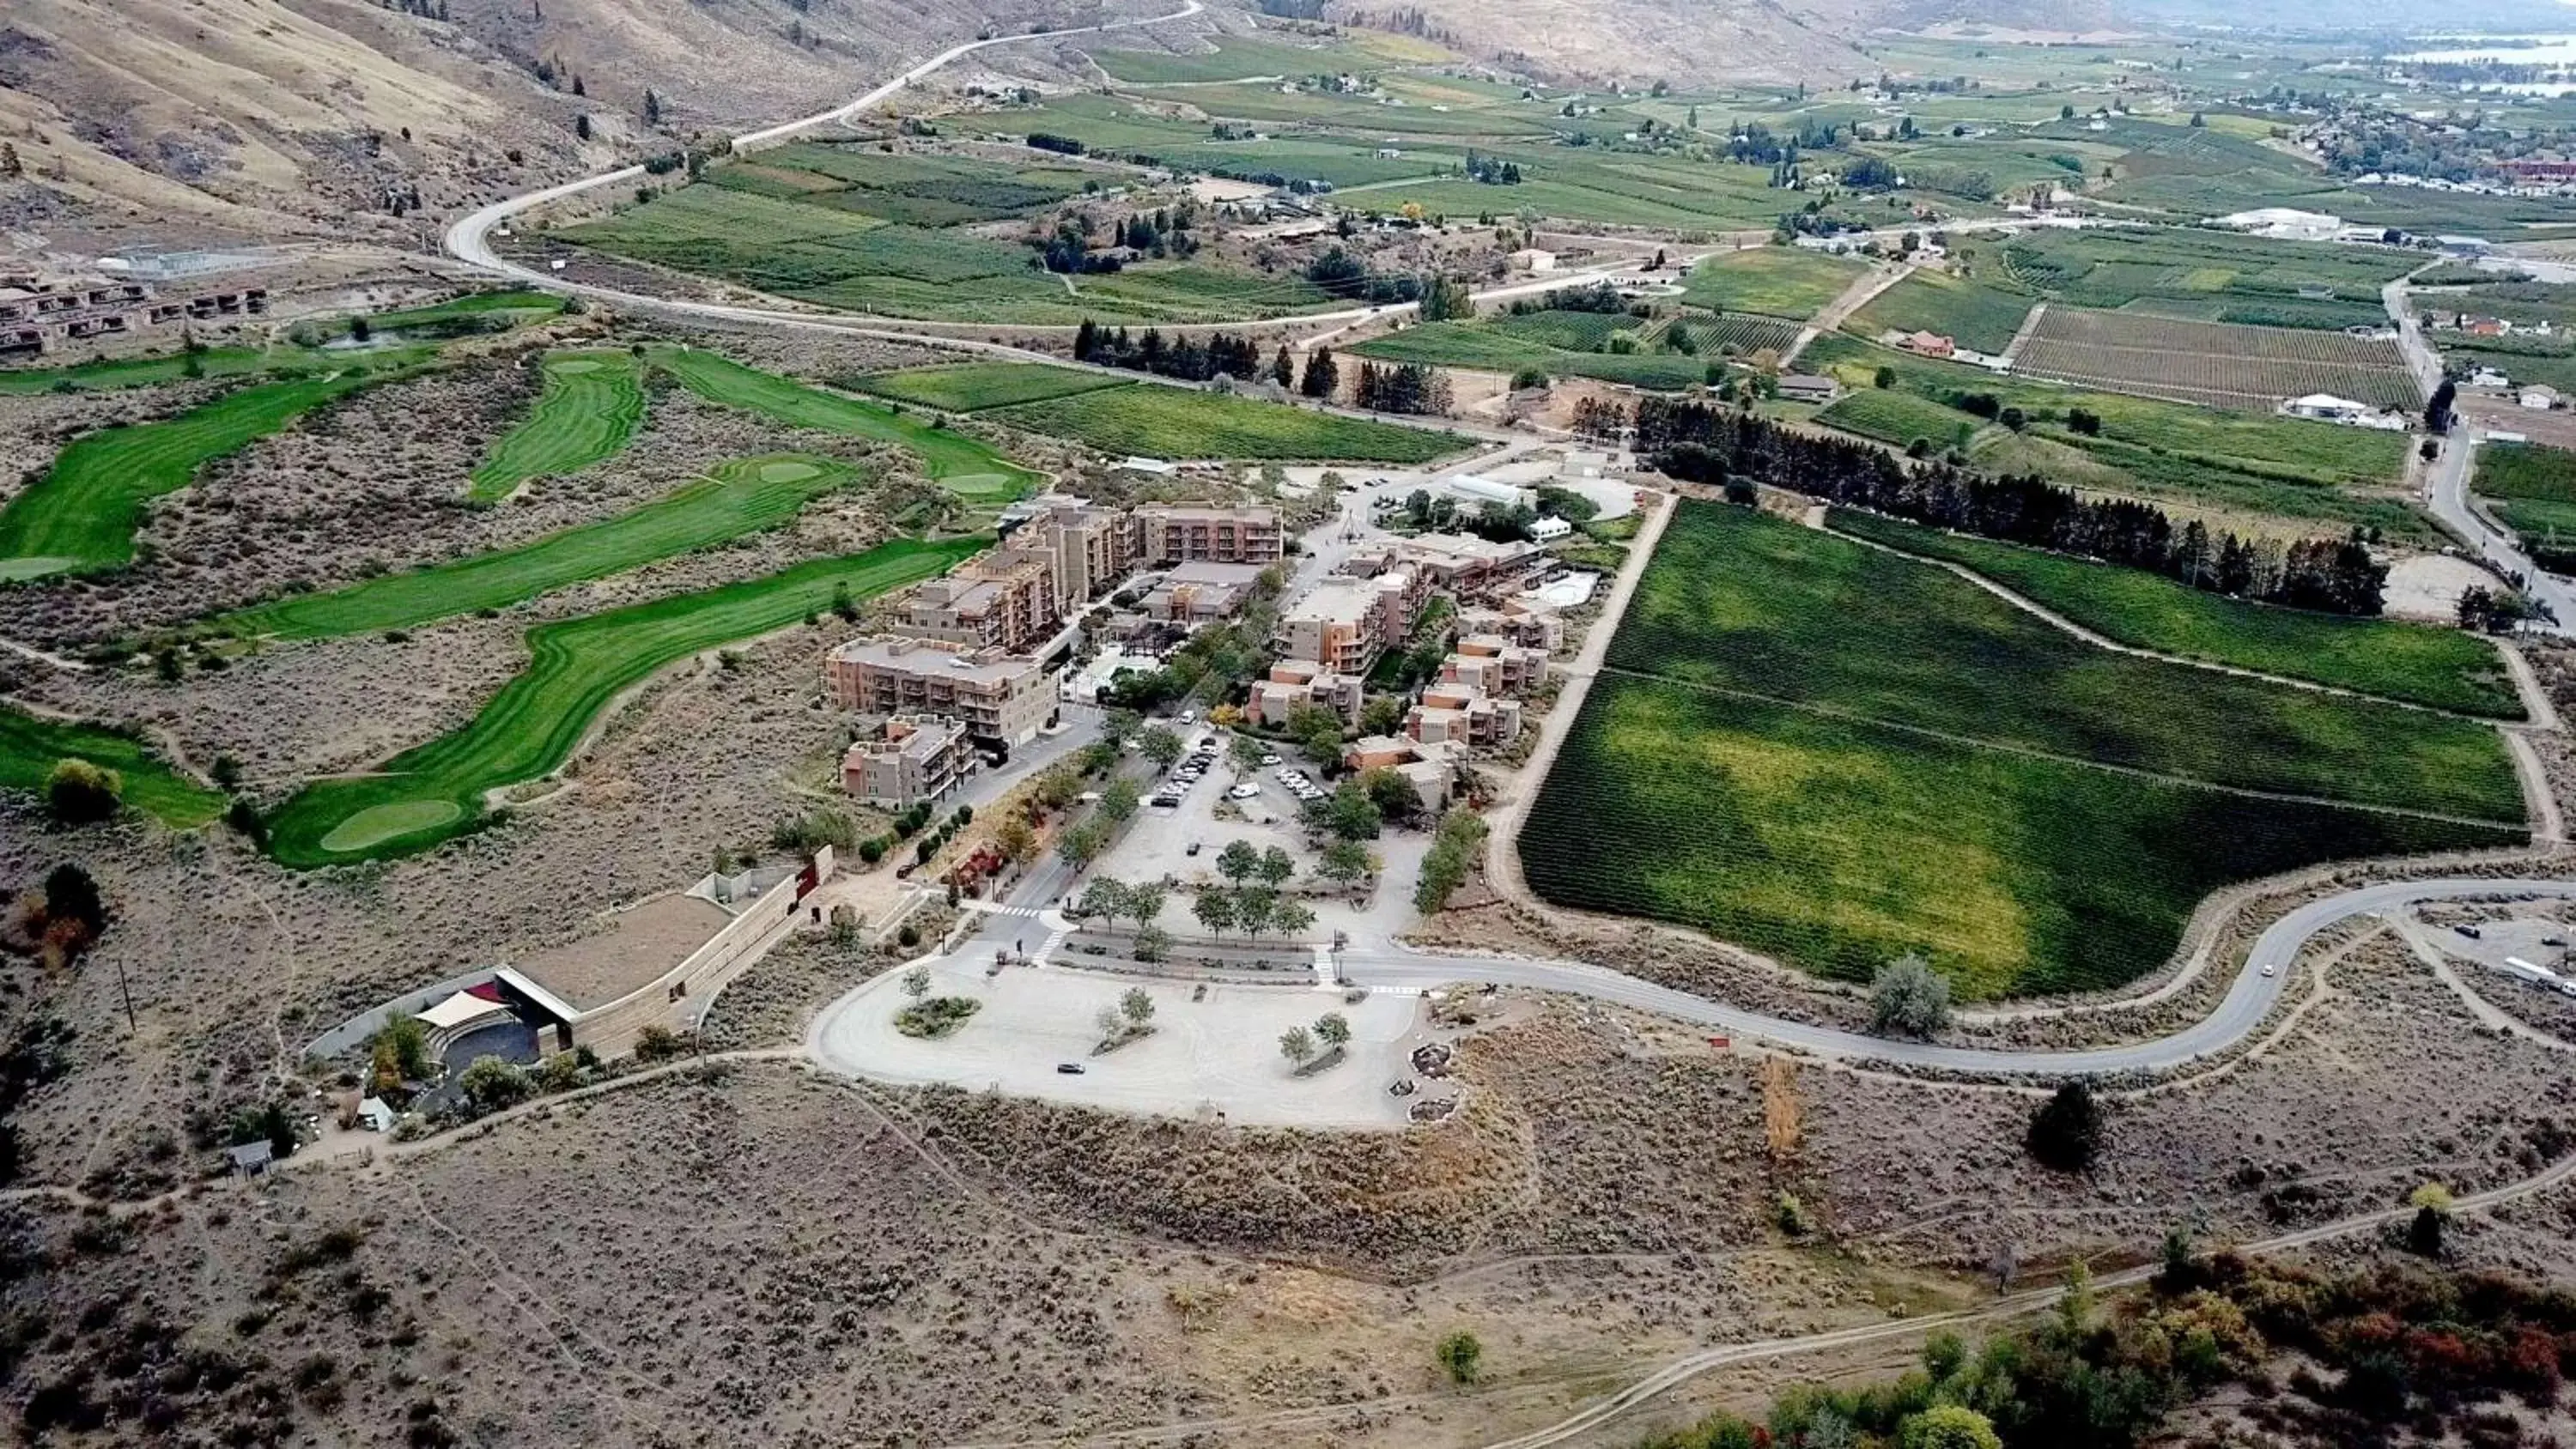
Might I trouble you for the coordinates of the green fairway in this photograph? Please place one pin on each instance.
(2416, 663)
(108, 373)
(739, 496)
(1835, 755)
(968, 387)
(30, 748)
(967, 467)
(1170, 422)
(81, 516)
(588, 412)
(438, 790)
(1791, 282)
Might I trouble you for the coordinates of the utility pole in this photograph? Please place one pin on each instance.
(131, 1029)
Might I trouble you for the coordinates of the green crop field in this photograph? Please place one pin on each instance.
(739, 496)
(438, 790)
(1151, 420)
(1900, 418)
(1492, 346)
(30, 748)
(1972, 314)
(2415, 663)
(1733, 333)
(1833, 755)
(2533, 490)
(589, 410)
(968, 387)
(1791, 282)
(967, 467)
(2257, 470)
(81, 515)
(2208, 275)
(1243, 57)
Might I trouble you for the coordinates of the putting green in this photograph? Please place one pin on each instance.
(377, 824)
(787, 472)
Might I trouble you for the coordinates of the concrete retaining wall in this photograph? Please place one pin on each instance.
(677, 998)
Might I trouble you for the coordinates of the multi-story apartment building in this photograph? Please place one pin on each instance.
(915, 758)
(1184, 533)
(1089, 549)
(1495, 665)
(1465, 715)
(1192, 593)
(1001, 698)
(39, 314)
(1295, 682)
(1339, 623)
(1005, 600)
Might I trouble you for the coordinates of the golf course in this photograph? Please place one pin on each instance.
(588, 412)
(576, 669)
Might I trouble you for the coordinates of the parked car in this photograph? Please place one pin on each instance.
(1270, 759)
(1069, 1069)
(1243, 792)
(2472, 932)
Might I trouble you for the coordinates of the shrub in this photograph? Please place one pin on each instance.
(1460, 1355)
(908, 937)
(658, 1044)
(1908, 998)
(80, 793)
(491, 1084)
(2066, 1131)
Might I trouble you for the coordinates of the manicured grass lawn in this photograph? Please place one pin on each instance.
(973, 386)
(437, 790)
(119, 372)
(30, 748)
(2417, 663)
(81, 516)
(967, 467)
(511, 306)
(1972, 314)
(1790, 282)
(588, 412)
(1168, 422)
(1834, 755)
(740, 496)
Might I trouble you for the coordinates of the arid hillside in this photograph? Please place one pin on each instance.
(353, 117)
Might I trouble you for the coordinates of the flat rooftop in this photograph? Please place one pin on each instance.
(623, 950)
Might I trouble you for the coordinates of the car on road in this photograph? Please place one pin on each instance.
(2472, 932)
(2269, 970)
(1069, 1069)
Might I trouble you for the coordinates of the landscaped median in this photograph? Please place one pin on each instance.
(441, 789)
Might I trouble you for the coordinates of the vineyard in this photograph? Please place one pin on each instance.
(2297, 284)
(2211, 364)
(1491, 346)
(2533, 490)
(1739, 336)
(1822, 776)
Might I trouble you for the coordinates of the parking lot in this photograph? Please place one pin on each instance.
(1209, 1054)
(1159, 845)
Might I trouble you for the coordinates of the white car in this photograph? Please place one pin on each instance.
(1243, 792)
(1270, 759)
(1189, 716)
(2271, 970)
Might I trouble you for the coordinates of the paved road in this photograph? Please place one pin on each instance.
(2247, 1002)
(2448, 491)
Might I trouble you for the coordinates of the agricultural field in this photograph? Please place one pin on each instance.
(2208, 276)
(739, 497)
(971, 469)
(2261, 470)
(1152, 420)
(2532, 490)
(1820, 777)
(30, 747)
(80, 517)
(2411, 663)
(1900, 419)
(442, 789)
(852, 227)
(1560, 344)
(1247, 57)
(587, 413)
(1976, 316)
(2214, 364)
(1790, 282)
(968, 387)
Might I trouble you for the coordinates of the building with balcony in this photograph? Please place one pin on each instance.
(1194, 593)
(1002, 699)
(1005, 599)
(1494, 664)
(1169, 533)
(1461, 714)
(1339, 623)
(1295, 682)
(913, 759)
